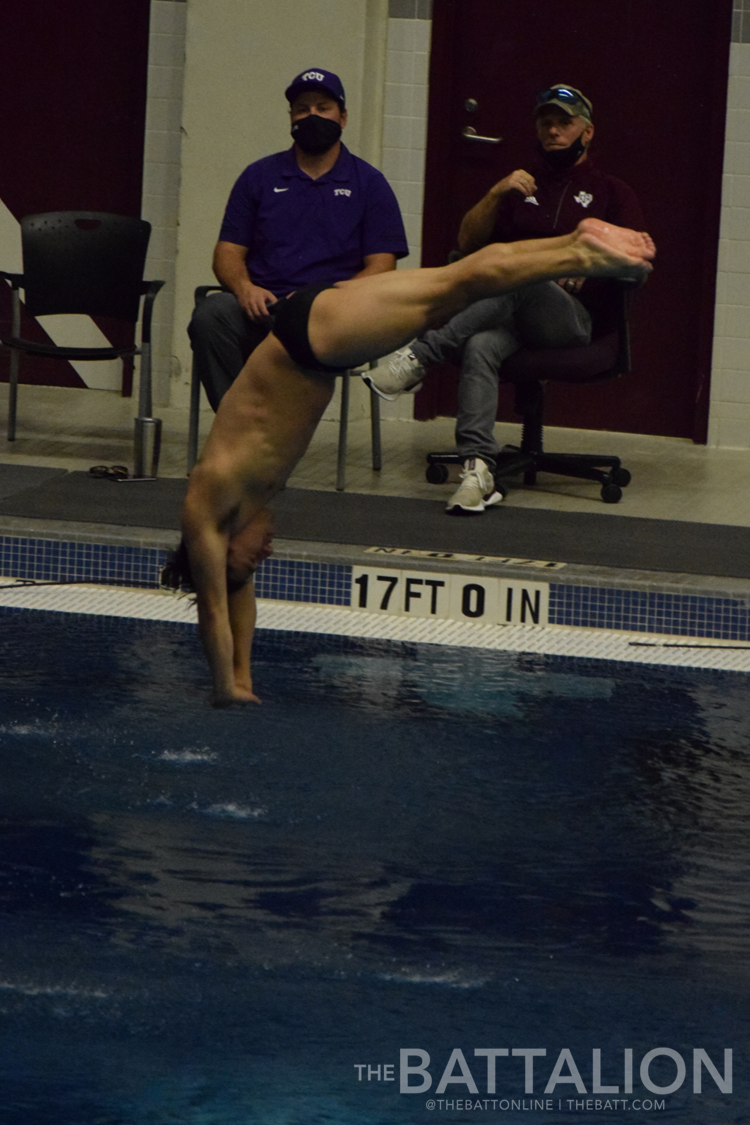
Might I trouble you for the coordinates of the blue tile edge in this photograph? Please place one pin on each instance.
(292, 580)
(328, 583)
(649, 611)
(52, 560)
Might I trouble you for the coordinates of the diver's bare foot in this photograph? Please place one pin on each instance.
(611, 251)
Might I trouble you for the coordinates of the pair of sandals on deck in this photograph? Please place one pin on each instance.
(111, 472)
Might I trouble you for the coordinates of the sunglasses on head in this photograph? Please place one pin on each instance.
(561, 94)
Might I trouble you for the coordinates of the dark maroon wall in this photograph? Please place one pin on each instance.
(73, 79)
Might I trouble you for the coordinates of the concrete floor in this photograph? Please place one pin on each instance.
(672, 478)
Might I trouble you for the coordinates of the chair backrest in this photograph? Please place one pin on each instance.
(84, 262)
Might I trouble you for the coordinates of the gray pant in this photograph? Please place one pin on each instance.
(487, 332)
(223, 336)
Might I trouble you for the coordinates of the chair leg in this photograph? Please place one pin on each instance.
(193, 424)
(147, 436)
(343, 429)
(145, 406)
(531, 444)
(529, 403)
(377, 447)
(603, 468)
(15, 359)
(13, 394)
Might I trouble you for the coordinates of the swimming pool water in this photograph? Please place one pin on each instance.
(217, 917)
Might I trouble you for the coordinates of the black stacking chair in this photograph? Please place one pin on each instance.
(85, 262)
(530, 370)
(201, 294)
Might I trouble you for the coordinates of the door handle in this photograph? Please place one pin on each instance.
(469, 133)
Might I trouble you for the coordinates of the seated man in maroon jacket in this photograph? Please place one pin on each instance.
(565, 187)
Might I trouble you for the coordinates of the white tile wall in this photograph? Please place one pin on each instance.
(405, 142)
(405, 123)
(729, 424)
(161, 173)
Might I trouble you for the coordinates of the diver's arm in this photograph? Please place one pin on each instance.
(206, 543)
(207, 549)
(242, 614)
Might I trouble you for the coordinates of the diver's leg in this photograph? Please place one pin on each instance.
(371, 316)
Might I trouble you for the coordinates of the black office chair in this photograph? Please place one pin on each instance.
(529, 370)
(85, 262)
(201, 293)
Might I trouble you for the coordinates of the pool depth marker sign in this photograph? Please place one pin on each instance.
(454, 597)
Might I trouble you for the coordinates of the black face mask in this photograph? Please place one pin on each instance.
(315, 134)
(561, 158)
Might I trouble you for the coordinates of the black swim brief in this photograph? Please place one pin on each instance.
(290, 316)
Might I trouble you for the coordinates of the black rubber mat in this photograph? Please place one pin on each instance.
(16, 478)
(387, 521)
(77, 497)
(589, 539)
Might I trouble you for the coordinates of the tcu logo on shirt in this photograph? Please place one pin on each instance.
(312, 76)
(341, 191)
(584, 198)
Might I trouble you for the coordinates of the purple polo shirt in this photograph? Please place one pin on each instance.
(300, 231)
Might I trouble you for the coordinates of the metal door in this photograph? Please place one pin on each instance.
(657, 75)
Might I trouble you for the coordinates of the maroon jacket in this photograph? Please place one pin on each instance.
(562, 200)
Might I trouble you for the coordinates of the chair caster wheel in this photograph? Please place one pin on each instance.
(611, 494)
(621, 477)
(436, 473)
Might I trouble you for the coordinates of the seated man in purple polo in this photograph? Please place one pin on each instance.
(313, 213)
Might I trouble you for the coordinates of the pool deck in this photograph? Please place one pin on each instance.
(672, 480)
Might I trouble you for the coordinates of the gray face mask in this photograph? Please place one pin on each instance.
(315, 134)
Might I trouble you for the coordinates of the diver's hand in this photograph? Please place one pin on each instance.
(239, 695)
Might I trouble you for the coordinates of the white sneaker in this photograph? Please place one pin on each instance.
(396, 374)
(476, 492)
